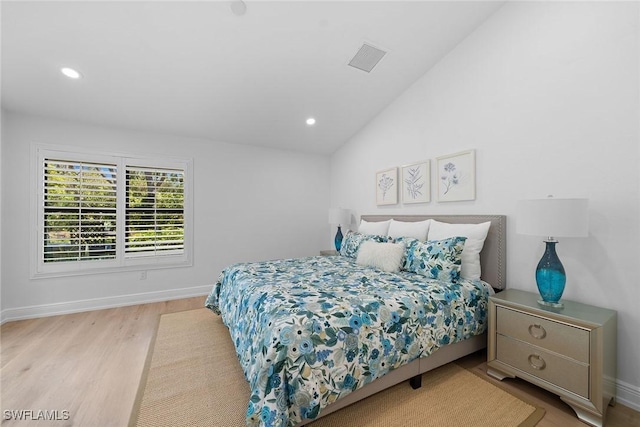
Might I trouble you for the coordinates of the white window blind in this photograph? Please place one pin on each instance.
(154, 212)
(103, 212)
(79, 211)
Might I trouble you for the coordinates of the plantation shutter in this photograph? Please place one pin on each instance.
(79, 211)
(154, 212)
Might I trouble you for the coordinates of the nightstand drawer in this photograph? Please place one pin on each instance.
(557, 337)
(565, 373)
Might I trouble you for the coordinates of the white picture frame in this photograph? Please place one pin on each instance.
(387, 187)
(456, 176)
(416, 183)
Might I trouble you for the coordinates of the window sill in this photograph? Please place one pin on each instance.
(110, 270)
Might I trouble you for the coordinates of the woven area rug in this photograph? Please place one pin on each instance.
(193, 378)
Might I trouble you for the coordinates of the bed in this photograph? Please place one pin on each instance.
(316, 334)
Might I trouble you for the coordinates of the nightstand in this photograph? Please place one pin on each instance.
(329, 252)
(569, 351)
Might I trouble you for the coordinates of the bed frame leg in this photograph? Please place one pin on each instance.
(416, 382)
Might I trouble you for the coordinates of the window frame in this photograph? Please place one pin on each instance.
(42, 269)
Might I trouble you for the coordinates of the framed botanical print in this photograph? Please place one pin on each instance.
(457, 176)
(416, 183)
(387, 187)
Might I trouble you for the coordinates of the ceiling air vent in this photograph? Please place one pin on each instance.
(367, 58)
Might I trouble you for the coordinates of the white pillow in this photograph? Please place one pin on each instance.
(385, 256)
(380, 228)
(475, 234)
(417, 230)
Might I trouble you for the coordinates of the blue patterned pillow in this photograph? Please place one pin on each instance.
(352, 241)
(436, 259)
(408, 243)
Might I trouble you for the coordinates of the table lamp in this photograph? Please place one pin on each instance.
(552, 218)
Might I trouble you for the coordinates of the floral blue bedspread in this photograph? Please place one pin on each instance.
(309, 331)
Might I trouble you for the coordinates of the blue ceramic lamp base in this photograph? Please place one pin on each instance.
(338, 240)
(550, 277)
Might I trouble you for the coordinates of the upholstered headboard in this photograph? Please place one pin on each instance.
(494, 252)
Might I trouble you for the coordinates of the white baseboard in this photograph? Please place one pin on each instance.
(45, 310)
(628, 395)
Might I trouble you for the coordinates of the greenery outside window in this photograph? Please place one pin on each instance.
(99, 212)
(79, 211)
(154, 212)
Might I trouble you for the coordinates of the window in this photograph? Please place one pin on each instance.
(102, 212)
(79, 211)
(154, 212)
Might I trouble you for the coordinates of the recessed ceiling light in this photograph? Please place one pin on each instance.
(311, 121)
(71, 73)
(238, 7)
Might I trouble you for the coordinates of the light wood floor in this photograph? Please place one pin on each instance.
(90, 364)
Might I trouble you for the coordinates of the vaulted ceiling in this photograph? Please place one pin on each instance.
(207, 70)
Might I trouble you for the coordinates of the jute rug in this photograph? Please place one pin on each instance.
(193, 378)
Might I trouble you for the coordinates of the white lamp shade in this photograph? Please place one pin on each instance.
(338, 216)
(553, 217)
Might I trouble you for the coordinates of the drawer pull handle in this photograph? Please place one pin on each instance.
(537, 331)
(537, 362)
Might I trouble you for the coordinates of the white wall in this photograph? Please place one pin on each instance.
(249, 204)
(1, 193)
(548, 95)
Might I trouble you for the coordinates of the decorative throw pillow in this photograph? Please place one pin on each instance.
(378, 228)
(436, 259)
(475, 234)
(384, 256)
(352, 241)
(417, 229)
(408, 243)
